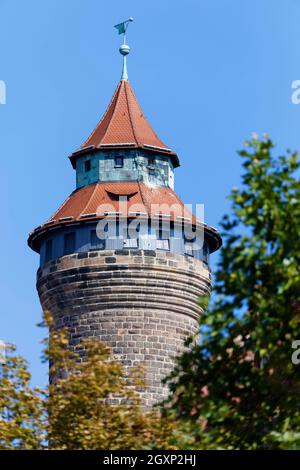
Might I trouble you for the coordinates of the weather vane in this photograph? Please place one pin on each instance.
(124, 48)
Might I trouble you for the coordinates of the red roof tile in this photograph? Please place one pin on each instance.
(94, 201)
(124, 125)
(99, 197)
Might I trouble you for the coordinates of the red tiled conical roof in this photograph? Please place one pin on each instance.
(98, 200)
(95, 199)
(124, 125)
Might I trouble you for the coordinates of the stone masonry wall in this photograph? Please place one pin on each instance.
(142, 303)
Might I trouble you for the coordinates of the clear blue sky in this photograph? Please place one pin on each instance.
(207, 74)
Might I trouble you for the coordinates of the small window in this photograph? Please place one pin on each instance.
(162, 244)
(96, 243)
(130, 243)
(48, 254)
(151, 163)
(69, 243)
(188, 249)
(119, 161)
(163, 231)
(189, 244)
(87, 165)
(205, 252)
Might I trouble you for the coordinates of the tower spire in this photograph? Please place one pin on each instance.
(124, 48)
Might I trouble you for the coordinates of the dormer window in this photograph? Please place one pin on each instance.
(87, 166)
(119, 161)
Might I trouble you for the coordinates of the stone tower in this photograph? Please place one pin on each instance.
(123, 260)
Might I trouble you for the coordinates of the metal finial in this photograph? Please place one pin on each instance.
(124, 48)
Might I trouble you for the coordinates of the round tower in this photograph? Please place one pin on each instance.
(123, 260)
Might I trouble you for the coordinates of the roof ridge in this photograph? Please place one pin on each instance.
(129, 113)
(143, 198)
(113, 113)
(91, 196)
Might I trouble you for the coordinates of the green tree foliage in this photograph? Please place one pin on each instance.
(88, 405)
(239, 384)
(22, 408)
(237, 389)
(92, 406)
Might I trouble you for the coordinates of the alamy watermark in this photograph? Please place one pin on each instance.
(137, 220)
(296, 353)
(295, 97)
(2, 92)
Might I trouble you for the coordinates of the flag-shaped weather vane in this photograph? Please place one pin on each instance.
(124, 48)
